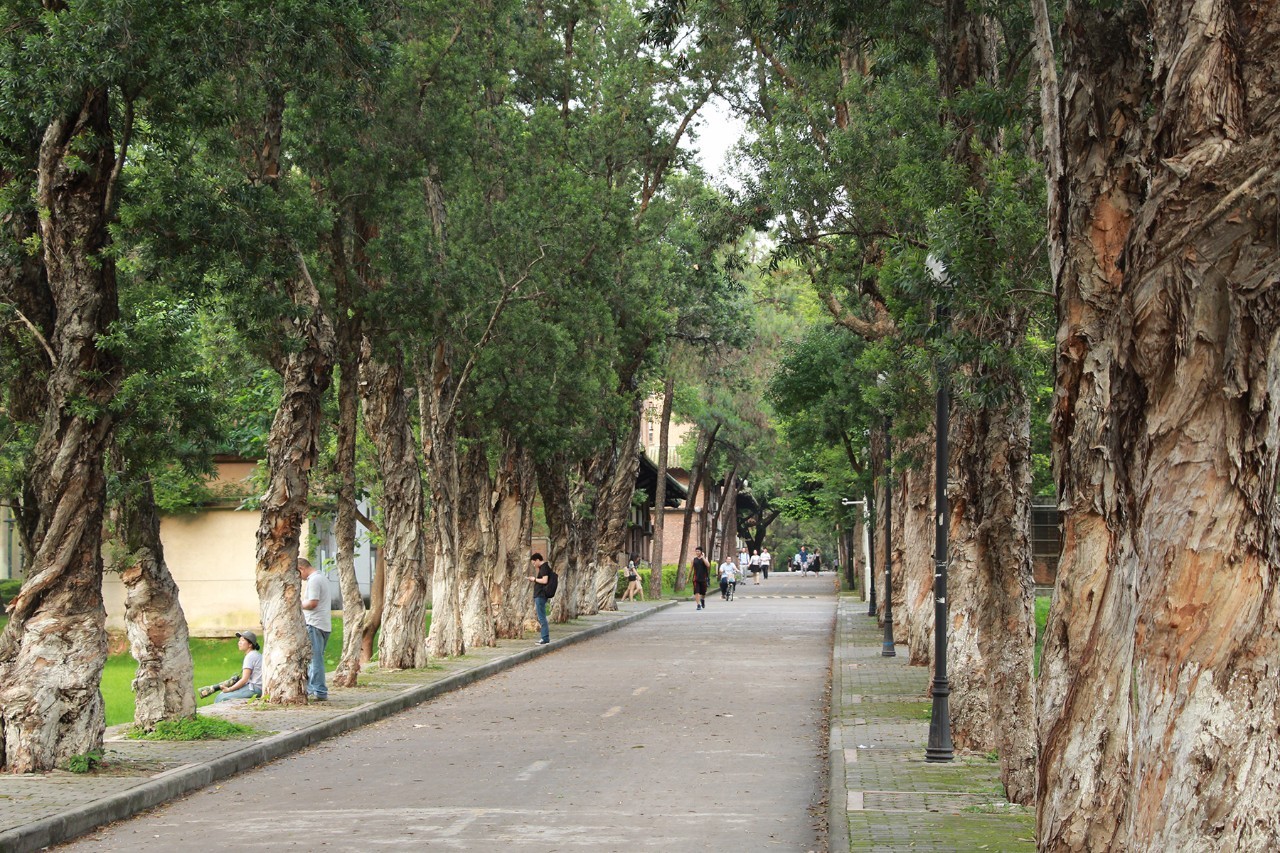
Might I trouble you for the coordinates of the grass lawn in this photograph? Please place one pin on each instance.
(1042, 616)
(213, 660)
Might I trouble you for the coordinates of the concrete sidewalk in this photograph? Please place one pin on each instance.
(38, 810)
(884, 796)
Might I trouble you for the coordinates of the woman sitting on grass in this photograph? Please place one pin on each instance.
(249, 685)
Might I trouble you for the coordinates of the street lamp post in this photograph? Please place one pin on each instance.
(888, 649)
(940, 747)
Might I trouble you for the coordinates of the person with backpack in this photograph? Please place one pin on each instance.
(545, 582)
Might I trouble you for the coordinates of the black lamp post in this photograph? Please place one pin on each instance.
(940, 748)
(887, 648)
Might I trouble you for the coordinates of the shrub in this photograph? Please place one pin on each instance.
(9, 588)
(194, 727)
(668, 580)
(85, 761)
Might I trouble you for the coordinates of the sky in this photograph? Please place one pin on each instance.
(718, 131)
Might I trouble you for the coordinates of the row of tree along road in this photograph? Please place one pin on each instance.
(438, 255)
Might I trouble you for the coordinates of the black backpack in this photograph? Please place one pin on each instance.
(553, 582)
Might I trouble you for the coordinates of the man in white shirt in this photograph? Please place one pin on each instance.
(317, 611)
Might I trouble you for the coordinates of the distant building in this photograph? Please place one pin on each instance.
(212, 554)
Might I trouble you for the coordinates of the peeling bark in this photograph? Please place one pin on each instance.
(477, 542)
(53, 649)
(913, 563)
(386, 416)
(440, 455)
(510, 595)
(292, 448)
(353, 609)
(573, 538)
(613, 508)
(991, 610)
(1158, 687)
(164, 686)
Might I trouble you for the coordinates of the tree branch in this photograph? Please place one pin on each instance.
(508, 292)
(109, 201)
(48, 350)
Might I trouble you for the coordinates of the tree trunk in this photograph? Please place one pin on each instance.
(353, 610)
(990, 611)
(164, 686)
(386, 417)
(725, 519)
(377, 603)
(304, 359)
(440, 454)
(613, 508)
(913, 561)
(573, 537)
(477, 542)
(660, 498)
(511, 596)
(991, 626)
(1158, 685)
(54, 647)
(706, 443)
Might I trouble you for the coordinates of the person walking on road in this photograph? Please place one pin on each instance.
(634, 586)
(317, 612)
(766, 560)
(701, 577)
(756, 565)
(540, 577)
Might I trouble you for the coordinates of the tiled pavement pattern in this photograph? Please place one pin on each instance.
(879, 729)
(37, 810)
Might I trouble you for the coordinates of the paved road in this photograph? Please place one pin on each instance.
(686, 731)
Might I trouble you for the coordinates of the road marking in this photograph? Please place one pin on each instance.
(459, 825)
(533, 768)
(616, 709)
(638, 691)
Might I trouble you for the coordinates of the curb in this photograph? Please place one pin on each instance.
(838, 838)
(191, 777)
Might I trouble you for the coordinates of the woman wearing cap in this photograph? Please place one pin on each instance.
(249, 685)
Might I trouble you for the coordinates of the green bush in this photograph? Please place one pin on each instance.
(194, 727)
(9, 588)
(668, 580)
(85, 761)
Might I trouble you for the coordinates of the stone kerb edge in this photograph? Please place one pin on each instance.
(838, 839)
(183, 780)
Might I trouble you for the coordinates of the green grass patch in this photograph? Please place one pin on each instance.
(213, 660)
(194, 727)
(1042, 616)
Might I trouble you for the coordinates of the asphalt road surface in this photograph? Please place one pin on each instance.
(689, 730)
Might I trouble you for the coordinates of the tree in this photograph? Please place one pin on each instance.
(1157, 692)
(83, 113)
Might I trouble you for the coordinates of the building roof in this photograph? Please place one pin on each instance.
(647, 479)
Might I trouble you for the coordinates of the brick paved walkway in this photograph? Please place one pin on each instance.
(879, 730)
